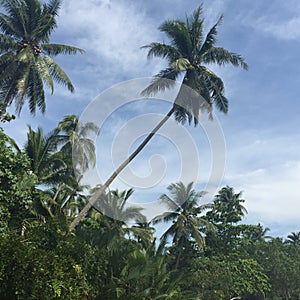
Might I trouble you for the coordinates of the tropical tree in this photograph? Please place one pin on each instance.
(67, 198)
(77, 148)
(294, 238)
(226, 211)
(188, 54)
(185, 214)
(46, 161)
(227, 207)
(51, 161)
(16, 186)
(26, 62)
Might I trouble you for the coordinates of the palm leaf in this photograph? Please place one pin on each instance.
(162, 81)
(211, 38)
(222, 56)
(55, 49)
(35, 93)
(58, 74)
(44, 72)
(162, 50)
(7, 43)
(178, 33)
(195, 27)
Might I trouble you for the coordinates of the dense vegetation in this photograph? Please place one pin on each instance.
(207, 252)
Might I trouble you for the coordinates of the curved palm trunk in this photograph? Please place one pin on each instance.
(94, 198)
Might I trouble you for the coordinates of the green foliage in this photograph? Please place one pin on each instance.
(107, 259)
(16, 186)
(26, 62)
(188, 53)
(39, 273)
(206, 253)
(4, 115)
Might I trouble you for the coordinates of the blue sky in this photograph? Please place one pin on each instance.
(261, 130)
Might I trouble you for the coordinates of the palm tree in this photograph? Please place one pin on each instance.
(143, 232)
(188, 54)
(185, 214)
(227, 207)
(26, 62)
(46, 162)
(114, 206)
(73, 137)
(294, 238)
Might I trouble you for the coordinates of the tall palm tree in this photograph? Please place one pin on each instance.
(73, 137)
(188, 54)
(26, 62)
(185, 214)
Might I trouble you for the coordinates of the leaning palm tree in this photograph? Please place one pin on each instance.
(188, 53)
(26, 62)
(185, 214)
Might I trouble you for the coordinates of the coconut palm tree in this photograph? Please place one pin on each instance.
(26, 62)
(185, 214)
(188, 53)
(46, 162)
(73, 137)
(114, 206)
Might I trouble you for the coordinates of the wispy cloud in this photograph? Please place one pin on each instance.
(268, 171)
(112, 33)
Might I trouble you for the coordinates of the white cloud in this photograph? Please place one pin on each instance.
(273, 194)
(281, 29)
(280, 19)
(267, 170)
(112, 33)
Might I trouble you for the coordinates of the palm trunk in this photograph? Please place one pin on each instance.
(57, 192)
(96, 196)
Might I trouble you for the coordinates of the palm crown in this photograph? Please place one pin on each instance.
(188, 53)
(185, 213)
(25, 53)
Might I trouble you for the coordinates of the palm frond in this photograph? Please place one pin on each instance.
(13, 23)
(55, 49)
(172, 205)
(162, 81)
(35, 93)
(222, 56)
(162, 50)
(58, 74)
(195, 27)
(46, 22)
(7, 43)
(53, 7)
(211, 38)
(178, 33)
(44, 72)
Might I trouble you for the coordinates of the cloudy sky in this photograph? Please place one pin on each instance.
(261, 130)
